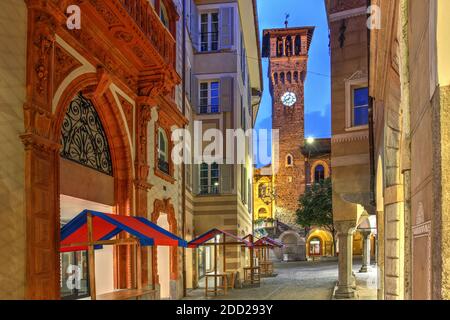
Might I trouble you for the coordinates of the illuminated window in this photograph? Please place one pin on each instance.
(209, 97)
(209, 178)
(319, 174)
(360, 112)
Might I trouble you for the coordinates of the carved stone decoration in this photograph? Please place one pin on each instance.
(124, 36)
(153, 83)
(127, 108)
(65, 63)
(83, 138)
(88, 42)
(159, 207)
(104, 11)
(43, 44)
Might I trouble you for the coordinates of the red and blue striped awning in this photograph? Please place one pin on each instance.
(264, 241)
(105, 226)
(207, 236)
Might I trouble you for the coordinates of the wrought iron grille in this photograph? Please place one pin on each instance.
(83, 138)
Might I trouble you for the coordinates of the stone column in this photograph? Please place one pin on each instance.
(366, 251)
(345, 234)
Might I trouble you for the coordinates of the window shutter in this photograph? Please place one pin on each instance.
(194, 26)
(226, 29)
(226, 94)
(226, 178)
(194, 93)
(195, 178)
(188, 86)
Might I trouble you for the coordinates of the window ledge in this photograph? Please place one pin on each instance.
(164, 176)
(215, 51)
(357, 128)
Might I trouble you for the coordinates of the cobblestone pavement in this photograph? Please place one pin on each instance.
(295, 281)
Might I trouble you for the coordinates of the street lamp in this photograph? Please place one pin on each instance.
(310, 141)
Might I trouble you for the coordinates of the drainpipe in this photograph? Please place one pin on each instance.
(371, 122)
(253, 153)
(183, 166)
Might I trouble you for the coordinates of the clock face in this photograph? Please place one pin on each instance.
(289, 99)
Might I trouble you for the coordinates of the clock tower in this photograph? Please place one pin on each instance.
(287, 50)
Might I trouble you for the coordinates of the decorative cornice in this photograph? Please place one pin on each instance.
(350, 137)
(348, 14)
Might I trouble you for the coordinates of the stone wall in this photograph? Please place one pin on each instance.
(13, 34)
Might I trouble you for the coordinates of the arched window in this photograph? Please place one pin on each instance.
(296, 76)
(164, 16)
(319, 173)
(83, 138)
(279, 47)
(282, 77)
(262, 213)
(289, 160)
(298, 45)
(275, 78)
(289, 77)
(163, 151)
(288, 44)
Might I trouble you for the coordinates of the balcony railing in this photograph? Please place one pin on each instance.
(209, 190)
(209, 109)
(151, 25)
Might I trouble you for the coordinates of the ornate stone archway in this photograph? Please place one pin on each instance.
(42, 145)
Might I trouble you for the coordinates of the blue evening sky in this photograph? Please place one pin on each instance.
(318, 84)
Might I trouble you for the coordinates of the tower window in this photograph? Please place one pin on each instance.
(296, 76)
(298, 45)
(282, 77)
(279, 47)
(289, 77)
(289, 160)
(275, 78)
(288, 44)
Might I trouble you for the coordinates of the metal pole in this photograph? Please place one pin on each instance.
(91, 254)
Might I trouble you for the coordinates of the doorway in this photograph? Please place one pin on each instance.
(74, 279)
(164, 261)
(314, 247)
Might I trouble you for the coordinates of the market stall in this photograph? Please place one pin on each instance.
(263, 247)
(222, 280)
(91, 230)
